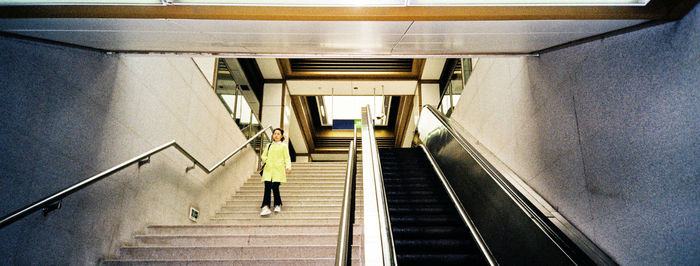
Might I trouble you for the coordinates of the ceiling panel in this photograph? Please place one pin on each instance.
(120, 40)
(89, 24)
(310, 38)
(296, 27)
(486, 43)
(518, 26)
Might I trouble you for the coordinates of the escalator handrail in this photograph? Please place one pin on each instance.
(386, 235)
(460, 209)
(141, 159)
(343, 248)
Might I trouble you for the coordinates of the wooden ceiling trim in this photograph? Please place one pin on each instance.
(416, 68)
(445, 13)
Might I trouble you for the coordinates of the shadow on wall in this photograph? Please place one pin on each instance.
(607, 133)
(69, 114)
(55, 126)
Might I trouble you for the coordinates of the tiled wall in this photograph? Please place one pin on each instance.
(68, 114)
(607, 132)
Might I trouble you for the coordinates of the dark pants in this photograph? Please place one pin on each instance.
(275, 187)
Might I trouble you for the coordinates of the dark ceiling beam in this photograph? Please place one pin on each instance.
(657, 9)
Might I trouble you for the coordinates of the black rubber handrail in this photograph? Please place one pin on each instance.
(140, 159)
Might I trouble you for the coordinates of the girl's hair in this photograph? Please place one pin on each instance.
(281, 133)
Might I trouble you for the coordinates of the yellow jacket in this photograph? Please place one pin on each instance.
(276, 159)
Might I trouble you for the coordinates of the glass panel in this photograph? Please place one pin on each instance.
(234, 100)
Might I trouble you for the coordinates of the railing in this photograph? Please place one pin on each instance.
(460, 209)
(53, 201)
(370, 146)
(343, 252)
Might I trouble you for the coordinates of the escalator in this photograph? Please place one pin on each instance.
(426, 226)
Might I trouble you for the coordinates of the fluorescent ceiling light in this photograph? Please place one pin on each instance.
(527, 2)
(80, 2)
(339, 3)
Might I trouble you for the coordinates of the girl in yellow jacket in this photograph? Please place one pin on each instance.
(277, 166)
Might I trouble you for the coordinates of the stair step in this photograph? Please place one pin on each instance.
(284, 214)
(217, 229)
(240, 240)
(310, 182)
(288, 208)
(233, 252)
(286, 197)
(286, 193)
(288, 202)
(242, 262)
(271, 220)
(309, 189)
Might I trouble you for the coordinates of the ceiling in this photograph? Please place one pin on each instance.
(260, 38)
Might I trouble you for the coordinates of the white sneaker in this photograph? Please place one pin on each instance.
(265, 211)
(278, 208)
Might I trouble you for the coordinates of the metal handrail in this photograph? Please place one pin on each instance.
(387, 238)
(141, 159)
(460, 209)
(343, 252)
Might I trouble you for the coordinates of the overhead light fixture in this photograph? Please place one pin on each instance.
(81, 2)
(338, 3)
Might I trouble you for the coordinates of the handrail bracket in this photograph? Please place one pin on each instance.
(51, 207)
(144, 161)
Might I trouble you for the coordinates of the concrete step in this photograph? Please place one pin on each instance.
(288, 202)
(338, 187)
(233, 252)
(241, 262)
(289, 192)
(308, 182)
(284, 214)
(286, 198)
(213, 229)
(272, 220)
(288, 208)
(239, 240)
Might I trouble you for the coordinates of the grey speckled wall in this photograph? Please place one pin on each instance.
(608, 132)
(67, 114)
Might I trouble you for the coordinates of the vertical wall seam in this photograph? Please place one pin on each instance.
(580, 147)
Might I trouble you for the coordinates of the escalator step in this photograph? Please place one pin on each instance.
(432, 209)
(435, 246)
(439, 259)
(425, 224)
(430, 232)
(413, 219)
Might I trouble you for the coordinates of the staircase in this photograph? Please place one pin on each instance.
(304, 233)
(426, 226)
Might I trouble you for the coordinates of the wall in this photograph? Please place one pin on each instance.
(607, 132)
(68, 114)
